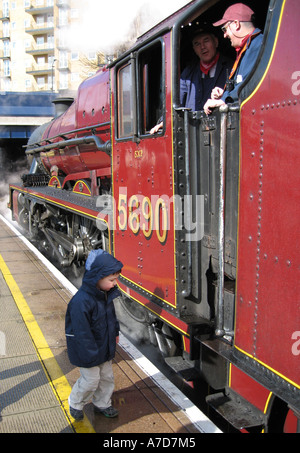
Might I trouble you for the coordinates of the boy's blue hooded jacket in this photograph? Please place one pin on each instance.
(91, 324)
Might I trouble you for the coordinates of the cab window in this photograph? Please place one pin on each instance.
(151, 87)
(140, 88)
(125, 102)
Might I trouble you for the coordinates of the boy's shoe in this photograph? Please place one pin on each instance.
(77, 414)
(109, 412)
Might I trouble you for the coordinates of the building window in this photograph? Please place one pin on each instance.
(63, 81)
(7, 85)
(74, 13)
(63, 60)
(50, 42)
(40, 40)
(40, 21)
(6, 30)
(63, 17)
(50, 21)
(6, 49)
(5, 8)
(6, 68)
(92, 56)
(41, 82)
(41, 61)
(74, 77)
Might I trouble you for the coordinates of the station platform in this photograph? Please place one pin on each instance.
(36, 376)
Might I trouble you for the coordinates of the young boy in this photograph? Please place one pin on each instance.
(91, 331)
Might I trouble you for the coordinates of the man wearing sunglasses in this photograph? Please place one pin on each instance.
(237, 25)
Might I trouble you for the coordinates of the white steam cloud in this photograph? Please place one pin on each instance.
(105, 26)
(10, 173)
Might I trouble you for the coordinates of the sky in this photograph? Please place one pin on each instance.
(106, 25)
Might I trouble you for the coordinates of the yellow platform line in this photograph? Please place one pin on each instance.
(56, 377)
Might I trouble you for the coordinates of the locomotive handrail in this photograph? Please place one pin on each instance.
(72, 132)
(219, 330)
(104, 147)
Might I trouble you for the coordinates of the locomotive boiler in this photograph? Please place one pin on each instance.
(204, 214)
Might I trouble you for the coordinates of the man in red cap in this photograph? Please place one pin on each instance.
(237, 25)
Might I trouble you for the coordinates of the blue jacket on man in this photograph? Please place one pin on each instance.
(245, 66)
(91, 325)
(195, 90)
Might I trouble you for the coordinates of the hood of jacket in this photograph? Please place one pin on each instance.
(99, 264)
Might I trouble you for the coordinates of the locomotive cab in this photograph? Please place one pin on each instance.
(181, 212)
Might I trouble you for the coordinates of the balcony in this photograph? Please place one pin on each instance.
(43, 49)
(45, 87)
(45, 7)
(39, 70)
(63, 3)
(4, 14)
(40, 29)
(64, 65)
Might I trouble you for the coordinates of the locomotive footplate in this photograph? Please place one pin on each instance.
(66, 224)
(65, 199)
(185, 368)
(236, 410)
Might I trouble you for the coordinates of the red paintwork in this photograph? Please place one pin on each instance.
(91, 107)
(268, 280)
(251, 390)
(290, 425)
(146, 170)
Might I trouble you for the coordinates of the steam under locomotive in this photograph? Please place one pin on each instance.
(204, 214)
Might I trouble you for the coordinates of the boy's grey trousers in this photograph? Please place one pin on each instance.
(96, 384)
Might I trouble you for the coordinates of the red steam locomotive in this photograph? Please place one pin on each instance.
(204, 214)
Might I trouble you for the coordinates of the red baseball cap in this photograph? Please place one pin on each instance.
(239, 11)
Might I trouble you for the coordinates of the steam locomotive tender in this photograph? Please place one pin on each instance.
(204, 214)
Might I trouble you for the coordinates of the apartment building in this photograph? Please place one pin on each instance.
(34, 54)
